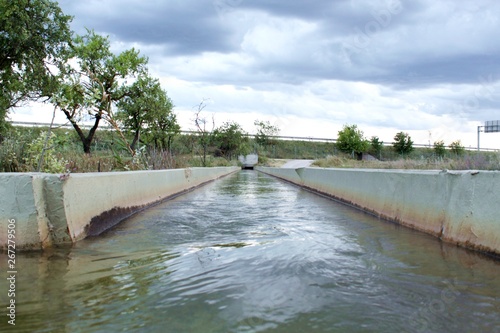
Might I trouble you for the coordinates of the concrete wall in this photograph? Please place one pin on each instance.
(52, 210)
(459, 207)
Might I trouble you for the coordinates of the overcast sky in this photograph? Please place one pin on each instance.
(430, 68)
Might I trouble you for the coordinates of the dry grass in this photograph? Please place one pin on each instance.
(275, 163)
(469, 162)
(81, 163)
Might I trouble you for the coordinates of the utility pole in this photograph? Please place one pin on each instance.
(478, 134)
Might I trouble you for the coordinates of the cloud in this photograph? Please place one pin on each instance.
(385, 65)
(182, 27)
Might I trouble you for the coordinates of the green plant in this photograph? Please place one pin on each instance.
(96, 79)
(265, 133)
(402, 143)
(32, 40)
(146, 110)
(457, 148)
(350, 140)
(11, 153)
(230, 140)
(439, 148)
(41, 157)
(376, 146)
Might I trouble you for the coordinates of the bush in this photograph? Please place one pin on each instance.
(11, 153)
(457, 148)
(376, 146)
(350, 140)
(439, 149)
(402, 143)
(41, 157)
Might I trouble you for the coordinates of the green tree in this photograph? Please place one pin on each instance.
(163, 126)
(457, 148)
(34, 35)
(95, 80)
(146, 108)
(351, 140)
(376, 146)
(402, 143)
(230, 139)
(265, 133)
(439, 148)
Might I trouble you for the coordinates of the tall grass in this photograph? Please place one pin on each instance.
(475, 161)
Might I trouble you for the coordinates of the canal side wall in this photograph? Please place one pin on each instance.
(49, 210)
(460, 207)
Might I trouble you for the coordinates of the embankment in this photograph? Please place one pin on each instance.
(50, 210)
(459, 207)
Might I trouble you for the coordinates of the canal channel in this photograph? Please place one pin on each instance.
(251, 253)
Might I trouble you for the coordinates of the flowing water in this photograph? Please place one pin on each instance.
(250, 253)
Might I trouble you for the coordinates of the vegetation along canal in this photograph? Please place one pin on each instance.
(250, 253)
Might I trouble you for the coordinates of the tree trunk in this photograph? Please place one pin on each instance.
(169, 142)
(135, 140)
(86, 140)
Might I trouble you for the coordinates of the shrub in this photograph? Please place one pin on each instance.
(402, 143)
(41, 157)
(376, 146)
(350, 140)
(11, 153)
(439, 149)
(457, 148)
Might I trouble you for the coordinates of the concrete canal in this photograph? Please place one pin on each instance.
(250, 253)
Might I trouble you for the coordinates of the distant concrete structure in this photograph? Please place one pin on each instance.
(248, 161)
(368, 157)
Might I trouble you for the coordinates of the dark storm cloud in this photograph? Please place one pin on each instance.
(183, 27)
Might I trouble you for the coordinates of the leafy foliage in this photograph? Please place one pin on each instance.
(33, 37)
(350, 140)
(402, 143)
(376, 146)
(230, 140)
(11, 152)
(439, 148)
(265, 133)
(41, 155)
(147, 108)
(457, 148)
(94, 81)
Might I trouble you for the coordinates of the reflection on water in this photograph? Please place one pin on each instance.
(249, 253)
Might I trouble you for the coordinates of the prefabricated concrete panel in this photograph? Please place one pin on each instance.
(17, 203)
(473, 220)
(94, 203)
(404, 197)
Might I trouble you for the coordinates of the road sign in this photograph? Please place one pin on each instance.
(492, 126)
